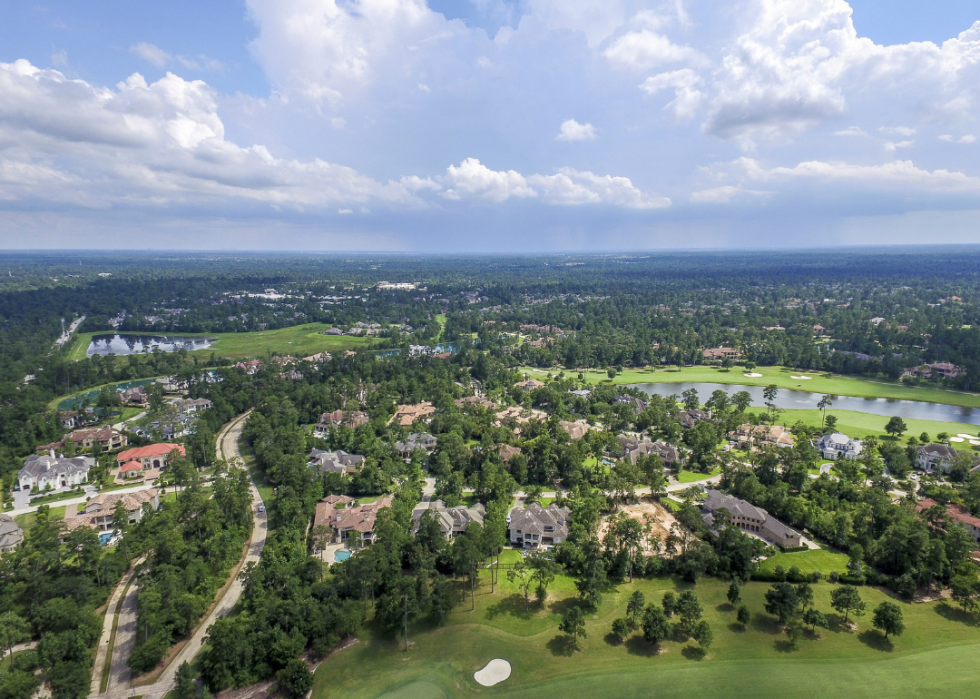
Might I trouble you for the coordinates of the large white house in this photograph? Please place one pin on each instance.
(835, 445)
(44, 470)
(934, 457)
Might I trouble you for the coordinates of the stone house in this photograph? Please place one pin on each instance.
(749, 518)
(536, 526)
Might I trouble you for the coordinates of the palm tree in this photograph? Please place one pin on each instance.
(824, 403)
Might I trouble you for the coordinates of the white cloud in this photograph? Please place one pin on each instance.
(59, 58)
(473, 178)
(571, 130)
(424, 88)
(150, 53)
(716, 195)
(851, 131)
(345, 211)
(645, 49)
(686, 97)
(967, 139)
(898, 130)
(890, 146)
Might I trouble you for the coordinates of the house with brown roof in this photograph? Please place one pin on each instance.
(406, 415)
(956, 512)
(530, 384)
(97, 513)
(633, 448)
(576, 430)
(152, 456)
(335, 461)
(452, 521)
(519, 415)
(353, 521)
(106, 438)
(351, 419)
(775, 435)
(934, 457)
(474, 401)
(720, 353)
(507, 452)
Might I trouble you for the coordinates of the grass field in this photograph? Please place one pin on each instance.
(27, 520)
(694, 476)
(819, 560)
(298, 340)
(861, 425)
(935, 657)
(835, 385)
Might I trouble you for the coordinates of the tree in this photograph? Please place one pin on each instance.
(656, 627)
(295, 679)
(824, 403)
(689, 610)
(744, 616)
(896, 426)
(184, 680)
(635, 607)
(703, 635)
(321, 536)
(804, 593)
(573, 624)
(742, 400)
(13, 630)
(888, 618)
(690, 398)
(769, 394)
(814, 618)
(793, 630)
(846, 600)
(966, 590)
(621, 628)
(734, 593)
(830, 423)
(521, 575)
(669, 603)
(781, 601)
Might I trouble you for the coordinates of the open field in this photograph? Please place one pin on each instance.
(861, 425)
(813, 561)
(695, 476)
(935, 657)
(820, 383)
(298, 340)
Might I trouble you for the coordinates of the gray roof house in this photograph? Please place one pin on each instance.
(749, 518)
(535, 526)
(934, 457)
(837, 444)
(632, 448)
(10, 534)
(43, 470)
(452, 520)
(334, 461)
(416, 440)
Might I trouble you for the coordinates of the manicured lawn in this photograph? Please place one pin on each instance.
(695, 476)
(861, 425)
(27, 520)
(819, 560)
(298, 340)
(781, 376)
(935, 657)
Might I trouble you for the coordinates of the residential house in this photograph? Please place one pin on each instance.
(334, 461)
(320, 357)
(107, 439)
(834, 445)
(719, 353)
(535, 526)
(749, 518)
(452, 521)
(171, 384)
(474, 401)
(189, 406)
(350, 520)
(576, 430)
(774, 435)
(70, 419)
(406, 415)
(637, 404)
(156, 456)
(340, 417)
(934, 457)
(41, 472)
(689, 418)
(333, 331)
(250, 367)
(519, 415)
(416, 440)
(581, 393)
(507, 452)
(530, 384)
(98, 513)
(957, 513)
(10, 534)
(633, 448)
(135, 396)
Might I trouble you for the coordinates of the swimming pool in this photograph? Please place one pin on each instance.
(341, 555)
(104, 538)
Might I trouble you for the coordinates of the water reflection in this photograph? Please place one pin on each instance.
(141, 344)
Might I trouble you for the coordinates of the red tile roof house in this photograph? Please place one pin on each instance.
(152, 456)
(344, 521)
(957, 513)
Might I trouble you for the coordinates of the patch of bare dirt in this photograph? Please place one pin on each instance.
(647, 512)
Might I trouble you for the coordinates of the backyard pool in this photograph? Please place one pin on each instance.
(341, 555)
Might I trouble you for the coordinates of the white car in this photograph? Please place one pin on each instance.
(261, 508)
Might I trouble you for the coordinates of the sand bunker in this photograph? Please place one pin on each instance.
(966, 436)
(801, 378)
(975, 442)
(956, 439)
(495, 672)
(753, 375)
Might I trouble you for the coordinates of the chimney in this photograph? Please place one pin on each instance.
(52, 452)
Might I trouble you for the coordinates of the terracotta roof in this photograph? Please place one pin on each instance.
(150, 451)
(131, 466)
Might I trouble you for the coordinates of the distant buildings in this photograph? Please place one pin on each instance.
(536, 526)
(530, 384)
(632, 448)
(836, 445)
(44, 471)
(946, 370)
(749, 518)
(958, 513)
(351, 419)
(576, 430)
(720, 353)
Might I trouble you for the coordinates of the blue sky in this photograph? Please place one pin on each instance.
(489, 125)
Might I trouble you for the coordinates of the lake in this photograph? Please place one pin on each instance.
(788, 399)
(143, 344)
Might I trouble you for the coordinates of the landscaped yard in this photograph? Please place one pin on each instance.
(813, 561)
(27, 520)
(935, 657)
(695, 476)
(782, 377)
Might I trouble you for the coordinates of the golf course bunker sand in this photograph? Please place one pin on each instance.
(956, 439)
(801, 378)
(753, 375)
(495, 672)
(966, 436)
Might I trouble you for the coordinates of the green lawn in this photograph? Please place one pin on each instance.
(819, 560)
(781, 376)
(694, 476)
(861, 425)
(27, 520)
(935, 657)
(298, 340)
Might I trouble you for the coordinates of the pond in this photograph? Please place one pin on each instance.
(788, 399)
(142, 344)
(91, 396)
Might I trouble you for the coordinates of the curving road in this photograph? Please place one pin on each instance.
(227, 449)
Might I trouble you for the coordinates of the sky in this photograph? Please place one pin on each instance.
(489, 125)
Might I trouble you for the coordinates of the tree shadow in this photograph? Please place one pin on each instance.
(725, 607)
(562, 606)
(512, 605)
(637, 645)
(612, 639)
(735, 627)
(562, 645)
(693, 652)
(784, 647)
(766, 624)
(876, 640)
(678, 634)
(835, 623)
(951, 613)
(811, 635)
